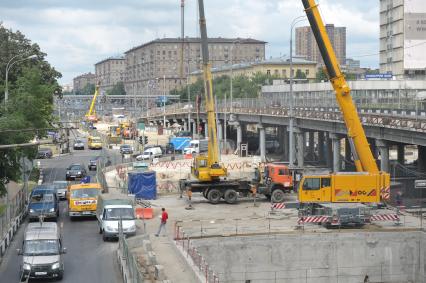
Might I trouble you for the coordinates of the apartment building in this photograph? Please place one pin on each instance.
(109, 72)
(81, 81)
(156, 67)
(307, 47)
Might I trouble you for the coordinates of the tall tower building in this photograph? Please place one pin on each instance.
(306, 45)
(403, 38)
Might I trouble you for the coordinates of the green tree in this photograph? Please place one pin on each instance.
(117, 89)
(321, 75)
(300, 75)
(88, 89)
(31, 87)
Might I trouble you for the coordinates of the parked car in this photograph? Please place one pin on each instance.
(78, 144)
(126, 149)
(44, 153)
(43, 203)
(42, 252)
(61, 189)
(75, 171)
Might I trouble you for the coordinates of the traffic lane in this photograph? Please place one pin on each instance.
(89, 259)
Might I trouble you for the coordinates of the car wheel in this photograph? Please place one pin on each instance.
(60, 276)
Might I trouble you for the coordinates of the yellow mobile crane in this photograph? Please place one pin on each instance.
(368, 183)
(91, 114)
(206, 169)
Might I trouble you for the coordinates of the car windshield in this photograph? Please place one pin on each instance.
(117, 213)
(75, 167)
(78, 141)
(84, 193)
(125, 146)
(96, 140)
(36, 198)
(41, 247)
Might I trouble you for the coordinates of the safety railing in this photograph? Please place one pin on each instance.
(190, 251)
(134, 273)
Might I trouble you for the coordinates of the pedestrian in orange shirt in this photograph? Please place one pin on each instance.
(164, 217)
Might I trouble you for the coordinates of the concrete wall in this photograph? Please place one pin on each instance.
(326, 257)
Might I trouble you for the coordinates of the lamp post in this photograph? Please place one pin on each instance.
(8, 67)
(232, 73)
(291, 126)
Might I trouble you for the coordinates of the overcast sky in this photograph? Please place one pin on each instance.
(78, 33)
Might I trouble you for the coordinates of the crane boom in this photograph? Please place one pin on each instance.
(363, 157)
(213, 149)
(91, 111)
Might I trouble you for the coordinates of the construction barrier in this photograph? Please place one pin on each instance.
(313, 219)
(385, 193)
(384, 217)
(188, 156)
(144, 213)
(278, 206)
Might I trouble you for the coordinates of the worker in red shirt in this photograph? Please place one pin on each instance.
(164, 217)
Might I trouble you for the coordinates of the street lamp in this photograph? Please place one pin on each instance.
(291, 137)
(232, 72)
(8, 67)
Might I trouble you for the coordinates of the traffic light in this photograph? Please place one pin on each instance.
(140, 139)
(146, 140)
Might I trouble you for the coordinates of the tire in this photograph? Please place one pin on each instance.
(60, 277)
(205, 192)
(231, 196)
(214, 196)
(277, 196)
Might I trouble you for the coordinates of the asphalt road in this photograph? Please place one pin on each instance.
(88, 258)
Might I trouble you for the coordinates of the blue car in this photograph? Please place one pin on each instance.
(43, 203)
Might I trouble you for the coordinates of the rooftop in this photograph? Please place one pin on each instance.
(197, 40)
(110, 59)
(271, 61)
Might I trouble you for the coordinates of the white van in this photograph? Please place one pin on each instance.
(150, 153)
(196, 146)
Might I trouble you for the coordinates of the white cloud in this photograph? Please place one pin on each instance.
(76, 34)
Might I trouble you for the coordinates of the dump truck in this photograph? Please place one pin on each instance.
(273, 180)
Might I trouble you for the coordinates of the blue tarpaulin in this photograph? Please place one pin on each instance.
(143, 185)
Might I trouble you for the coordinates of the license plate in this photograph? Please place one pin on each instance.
(87, 212)
(41, 273)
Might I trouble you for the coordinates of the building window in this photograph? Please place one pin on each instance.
(276, 72)
(268, 72)
(284, 73)
(307, 71)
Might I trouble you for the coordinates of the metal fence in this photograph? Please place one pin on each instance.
(184, 241)
(134, 275)
(12, 209)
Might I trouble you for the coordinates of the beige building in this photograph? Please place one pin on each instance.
(403, 38)
(307, 47)
(274, 67)
(81, 81)
(109, 72)
(155, 67)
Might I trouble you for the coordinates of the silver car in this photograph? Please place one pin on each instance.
(78, 144)
(42, 252)
(61, 189)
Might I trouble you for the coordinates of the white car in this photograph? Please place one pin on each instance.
(150, 153)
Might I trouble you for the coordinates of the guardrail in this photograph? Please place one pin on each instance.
(413, 121)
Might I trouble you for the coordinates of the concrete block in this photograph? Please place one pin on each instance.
(159, 272)
(151, 258)
(146, 244)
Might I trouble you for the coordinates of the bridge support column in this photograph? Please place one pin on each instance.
(384, 155)
(300, 140)
(239, 136)
(262, 142)
(194, 127)
(401, 153)
(311, 138)
(185, 125)
(421, 158)
(206, 129)
(219, 131)
(329, 150)
(321, 153)
(285, 141)
(336, 152)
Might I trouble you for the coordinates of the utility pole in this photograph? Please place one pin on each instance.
(182, 32)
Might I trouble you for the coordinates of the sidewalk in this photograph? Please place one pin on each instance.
(167, 255)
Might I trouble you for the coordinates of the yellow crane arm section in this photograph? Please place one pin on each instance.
(213, 148)
(364, 160)
(92, 105)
